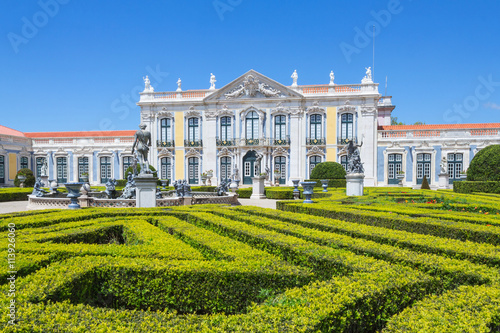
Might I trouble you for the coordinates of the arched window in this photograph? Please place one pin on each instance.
(24, 162)
(455, 166)
(225, 129)
(62, 169)
(346, 127)
(315, 127)
(166, 168)
(423, 167)
(252, 125)
(313, 161)
(83, 167)
(105, 169)
(2, 169)
(193, 170)
(393, 167)
(193, 130)
(225, 168)
(279, 127)
(165, 132)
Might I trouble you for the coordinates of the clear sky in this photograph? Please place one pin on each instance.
(71, 65)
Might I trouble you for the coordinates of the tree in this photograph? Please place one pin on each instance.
(328, 170)
(394, 121)
(30, 178)
(485, 166)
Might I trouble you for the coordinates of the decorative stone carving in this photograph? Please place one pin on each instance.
(280, 151)
(210, 114)
(192, 152)
(294, 77)
(347, 107)
(224, 151)
(164, 152)
(315, 108)
(165, 114)
(250, 87)
(142, 142)
(368, 111)
(193, 113)
(443, 165)
(147, 85)
(147, 116)
(354, 164)
(296, 112)
(280, 109)
(315, 151)
(225, 112)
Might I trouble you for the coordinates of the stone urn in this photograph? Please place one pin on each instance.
(73, 194)
(164, 184)
(53, 186)
(308, 190)
(324, 184)
(203, 179)
(84, 178)
(22, 179)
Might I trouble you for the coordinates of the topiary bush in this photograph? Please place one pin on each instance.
(485, 166)
(425, 184)
(328, 170)
(30, 178)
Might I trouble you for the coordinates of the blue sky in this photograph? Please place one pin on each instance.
(71, 65)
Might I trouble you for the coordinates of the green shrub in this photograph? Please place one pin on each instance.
(476, 186)
(203, 188)
(331, 182)
(15, 194)
(279, 193)
(244, 193)
(485, 166)
(425, 184)
(130, 169)
(30, 178)
(328, 170)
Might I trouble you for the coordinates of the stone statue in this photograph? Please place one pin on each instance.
(182, 188)
(147, 85)
(267, 172)
(212, 81)
(45, 168)
(179, 83)
(368, 76)
(236, 172)
(443, 165)
(354, 164)
(37, 188)
(135, 161)
(142, 142)
(295, 77)
(222, 188)
(332, 77)
(257, 163)
(129, 189)
(111, 188)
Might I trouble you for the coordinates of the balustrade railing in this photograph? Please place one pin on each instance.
(315, 142)
(225, 143)
(169, 143)
(282, 142)
(193, 143)
(344, 141)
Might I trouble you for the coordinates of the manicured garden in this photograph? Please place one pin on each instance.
(394, 260)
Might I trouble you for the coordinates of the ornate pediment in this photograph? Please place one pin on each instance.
(315, 151)
(164, 114)
(280, 109)
(147, 116)
(225, 112)
(83, 151)
(315, 108)
(193, 153)
(164, 152)
(252, 85)
(280, 151)
(193, 113)
(224, 151)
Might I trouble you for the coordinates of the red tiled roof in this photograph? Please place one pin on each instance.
(438, 126)
(9, 131)
(81, 134)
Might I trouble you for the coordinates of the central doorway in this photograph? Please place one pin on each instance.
(249, 166)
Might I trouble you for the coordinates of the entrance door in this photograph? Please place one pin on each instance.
(280, 165)
(249, 167)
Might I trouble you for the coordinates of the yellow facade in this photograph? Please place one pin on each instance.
(179, 144)
(12, 165)
(331, 130)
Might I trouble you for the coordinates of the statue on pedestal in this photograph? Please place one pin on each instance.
(37, 188)
(236, 173)
(179, 83)
(368, 76)
(332, 77)
(45, 168)
(142, 142)
(129, 189)
(147, 85)
(257, 163)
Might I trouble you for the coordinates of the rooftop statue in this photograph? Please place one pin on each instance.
(179, 83)
(147, 85)
(332, 77)
(142, 142)
(212, 81)
(295, 77)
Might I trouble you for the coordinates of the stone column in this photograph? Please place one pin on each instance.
(210, 147)
(296, 141)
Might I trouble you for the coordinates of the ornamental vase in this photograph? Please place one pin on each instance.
(324, 184)
(73, 194)
(308, 190)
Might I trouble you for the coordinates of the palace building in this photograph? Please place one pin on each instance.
(223, 129)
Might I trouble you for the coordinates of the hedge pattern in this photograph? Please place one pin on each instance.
(375, 263)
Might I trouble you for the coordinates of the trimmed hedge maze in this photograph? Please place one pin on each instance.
(370, 264)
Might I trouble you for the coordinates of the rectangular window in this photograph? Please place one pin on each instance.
(83, 167)
(24, 162)
(62, 170)
(2, 169)
(166, 168)
(225, 128)
(105, 169)
(193, 130)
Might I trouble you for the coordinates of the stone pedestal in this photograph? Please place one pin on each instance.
(45, 181)
(258, 188)
(145, 190)
(354, 184)
(444, 181)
